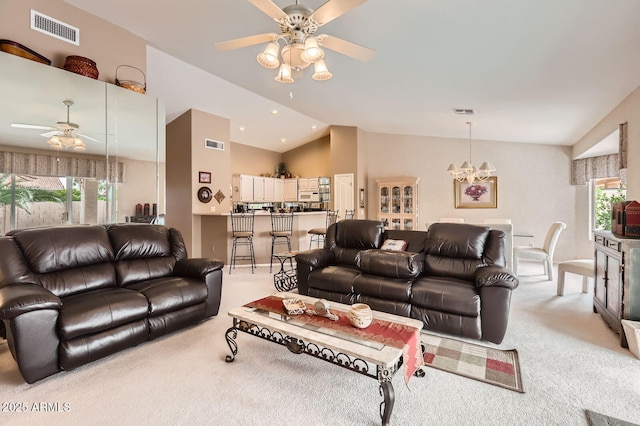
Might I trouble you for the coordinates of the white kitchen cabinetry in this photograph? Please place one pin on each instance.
(242, 187)
(278, 189)
(291, 189)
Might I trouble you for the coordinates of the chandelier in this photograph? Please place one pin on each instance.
(469, 172)
(297, 54)
(65, 140)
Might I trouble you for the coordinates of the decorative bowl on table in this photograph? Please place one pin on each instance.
(294, 306)
(360, 315)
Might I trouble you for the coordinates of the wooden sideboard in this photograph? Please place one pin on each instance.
(617, 281)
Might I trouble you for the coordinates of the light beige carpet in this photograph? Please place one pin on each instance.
(570, 362)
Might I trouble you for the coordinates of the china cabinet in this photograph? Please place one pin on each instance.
(398, 202)
(617, 280)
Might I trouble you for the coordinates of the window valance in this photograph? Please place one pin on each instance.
(603, 166)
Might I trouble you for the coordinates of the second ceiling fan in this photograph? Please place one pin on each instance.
(298, 25)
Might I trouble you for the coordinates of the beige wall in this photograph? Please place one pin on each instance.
(310, 160)
(344, 156)
(178, 192)
(249, 160)
(101, 41)
(531, 200)
(627, 111)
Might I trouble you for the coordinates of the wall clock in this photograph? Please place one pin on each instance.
(204, 194)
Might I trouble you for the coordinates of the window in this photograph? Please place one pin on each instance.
(605, 192)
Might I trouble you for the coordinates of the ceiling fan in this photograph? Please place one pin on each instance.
(298, 25)
(64, 135)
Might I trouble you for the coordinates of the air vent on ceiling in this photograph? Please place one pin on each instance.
(210, 143)
(463, 111)
(51, 26)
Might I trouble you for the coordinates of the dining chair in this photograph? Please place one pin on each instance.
(242, 234)
(542, 254)
(349, 214)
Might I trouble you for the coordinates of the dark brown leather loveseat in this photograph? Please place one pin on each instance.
(451, 277)
(70, 295)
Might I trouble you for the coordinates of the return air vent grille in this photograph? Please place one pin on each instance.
(50, 26)
(210, 143)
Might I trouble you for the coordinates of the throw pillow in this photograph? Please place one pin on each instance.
(394, 245)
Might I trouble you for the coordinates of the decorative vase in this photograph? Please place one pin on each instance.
(360, 315)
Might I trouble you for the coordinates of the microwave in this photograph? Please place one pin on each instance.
(308, 196)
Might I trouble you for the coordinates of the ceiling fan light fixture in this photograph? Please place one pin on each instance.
(312, 52)
(269, 58)
(321, 71)
(54, 142)
(284, 74)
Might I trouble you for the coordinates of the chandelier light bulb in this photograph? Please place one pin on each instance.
(269, 58)
(321, 71)
(312, 52)
(284, 74)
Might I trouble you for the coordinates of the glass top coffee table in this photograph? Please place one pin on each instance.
(331, 343)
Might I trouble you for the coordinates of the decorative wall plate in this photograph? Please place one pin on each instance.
(204, 194)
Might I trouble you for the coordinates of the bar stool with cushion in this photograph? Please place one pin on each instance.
(242, 234)
(317, 234)
(281, 231)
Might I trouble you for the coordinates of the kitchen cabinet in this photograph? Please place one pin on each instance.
(398, 202)
(291, 190)
(258, 189)
(242, 187)
(278, 189)
(617, 280)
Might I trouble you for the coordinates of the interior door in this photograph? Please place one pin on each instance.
(344, 197)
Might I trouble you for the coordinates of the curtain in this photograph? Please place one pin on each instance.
(53, 165)
(585, 169)
(623, 146)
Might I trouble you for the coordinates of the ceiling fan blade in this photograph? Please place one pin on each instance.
(50, 134)
(245, 41)
(270, 8)
(347, 48)
(83, 136)
(31, 126)
(333, 9)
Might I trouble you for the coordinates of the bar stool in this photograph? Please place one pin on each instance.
(281, 231)
(242, 233)
(317, 234)
(349, 214)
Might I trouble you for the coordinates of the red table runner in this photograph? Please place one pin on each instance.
(399, 336)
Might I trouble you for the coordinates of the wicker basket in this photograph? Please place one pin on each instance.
(130, 84)
(81, 65)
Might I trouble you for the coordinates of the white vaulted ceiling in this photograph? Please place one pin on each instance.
(542, 71)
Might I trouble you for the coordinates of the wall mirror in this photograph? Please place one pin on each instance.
(121, 166)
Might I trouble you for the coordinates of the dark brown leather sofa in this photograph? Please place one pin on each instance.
(70, 295)
(451, 277)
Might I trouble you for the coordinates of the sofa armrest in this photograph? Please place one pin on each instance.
(196, 268)
(496, 276)
(17, 299)
(316, 258)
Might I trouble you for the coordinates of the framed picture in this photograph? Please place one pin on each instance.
(476, 195)
(204, 177)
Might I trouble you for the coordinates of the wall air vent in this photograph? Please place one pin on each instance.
(54, 28)
(463, 111)
(210, 143)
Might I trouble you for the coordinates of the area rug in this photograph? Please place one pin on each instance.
(597, 419)
(488, 365)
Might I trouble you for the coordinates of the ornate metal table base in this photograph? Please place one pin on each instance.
(384, 375)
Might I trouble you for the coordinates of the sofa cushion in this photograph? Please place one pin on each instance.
(383, 288)
(171, 293)
(416, 240)
(347, 238)
(394, 245)
(98, 310)
(456, 240)
(394, 264)
(142, 252)
(63, 247)
(337, 279)
(446, 295)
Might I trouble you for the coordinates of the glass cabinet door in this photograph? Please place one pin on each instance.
(395, 224)
(408, 224)
(408, 199)
(395, 199)
(384, 200)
